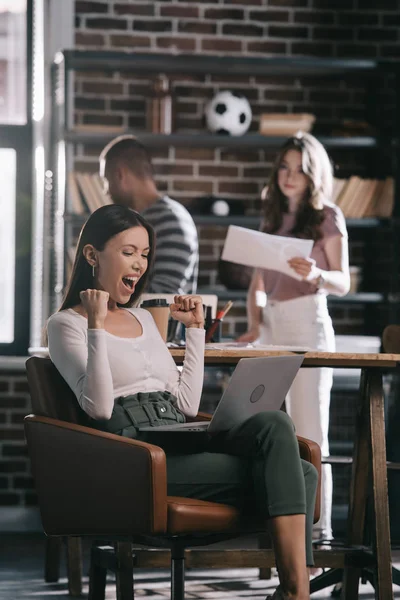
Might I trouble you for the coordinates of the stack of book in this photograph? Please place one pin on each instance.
(86, 192)
(284, 124)
(359, 198)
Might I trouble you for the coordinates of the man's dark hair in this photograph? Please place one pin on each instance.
(130, 152)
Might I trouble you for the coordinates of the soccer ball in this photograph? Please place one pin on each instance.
(228, 113)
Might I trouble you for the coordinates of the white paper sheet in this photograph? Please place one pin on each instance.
(263, 250)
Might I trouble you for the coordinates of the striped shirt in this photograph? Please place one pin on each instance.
(176, 261)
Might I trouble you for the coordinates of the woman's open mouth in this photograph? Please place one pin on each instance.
(130, 282)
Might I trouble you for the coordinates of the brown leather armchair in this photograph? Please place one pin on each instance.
(84, 490)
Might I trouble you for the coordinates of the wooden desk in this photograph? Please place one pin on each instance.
(369, 459)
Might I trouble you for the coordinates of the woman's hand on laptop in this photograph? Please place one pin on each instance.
(188, 310)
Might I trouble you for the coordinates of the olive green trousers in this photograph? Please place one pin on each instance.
(255, 465)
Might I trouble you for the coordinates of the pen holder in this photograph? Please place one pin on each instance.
(213, 332)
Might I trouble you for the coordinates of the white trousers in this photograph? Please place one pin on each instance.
(306, 321)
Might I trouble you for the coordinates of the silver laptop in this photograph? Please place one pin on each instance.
(257, 385)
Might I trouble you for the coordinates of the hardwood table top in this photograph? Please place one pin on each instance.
(231, 356)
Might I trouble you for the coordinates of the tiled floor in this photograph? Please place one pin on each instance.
(21, 577)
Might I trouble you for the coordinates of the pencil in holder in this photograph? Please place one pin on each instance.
(213, 333)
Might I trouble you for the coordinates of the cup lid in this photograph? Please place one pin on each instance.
(155, 302)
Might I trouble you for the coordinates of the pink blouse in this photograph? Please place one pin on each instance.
(280, 287)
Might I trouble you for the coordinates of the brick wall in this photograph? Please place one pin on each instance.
(16, 484)
(348, 28)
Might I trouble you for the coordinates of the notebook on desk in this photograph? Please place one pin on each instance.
(257, 385)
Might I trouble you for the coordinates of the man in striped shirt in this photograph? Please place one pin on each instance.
(126, 167)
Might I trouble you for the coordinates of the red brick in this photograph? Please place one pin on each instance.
(197, 27)
(130, 41)
(256, 172)
(333, 33)
(296, 3)
(89, 39)
(188, 185)
(160, 26)
(89, 103)
(247, 3)
(288, 31)
(194, 153)
(218, 171)
(267, 47)
(17, 402)
(103, 119)
(357, 50)
(230, 14)
(242, 30)
(186, 108)
(185, 122)
(221, 45)
(134, 9)
(390, 51)
(91, 7)
(338, 4)
(377, 35)
(12, 466)
(128, 105)
(12, 434)
(284, 95)
(339, 96)
(313, 17)
(392, 20)
(179, 11)
(106, 23)
(179, 43)
(238, 156)
(312, 49)
(227, 187)
(24, 483)
(15, 449)
(137, 122)
(270, 16)
(174, 169)
(355, 19)
(98, 87)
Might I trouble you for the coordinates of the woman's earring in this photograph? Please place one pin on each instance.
(93, 272)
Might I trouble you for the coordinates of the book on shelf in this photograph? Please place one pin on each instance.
(93, 128)
(285, 124)
(86, 192)
(359, 198)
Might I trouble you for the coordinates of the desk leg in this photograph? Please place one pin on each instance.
(383, 578)
(358, 487)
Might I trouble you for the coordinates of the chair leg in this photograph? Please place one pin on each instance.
(264, 543)
(177, 573)
(52, 559)
(124, 572)
(74, 566)
(97, 576)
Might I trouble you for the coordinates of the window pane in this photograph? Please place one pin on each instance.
(8, 160)
(13, 62)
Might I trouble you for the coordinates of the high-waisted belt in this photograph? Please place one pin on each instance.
(139, 410)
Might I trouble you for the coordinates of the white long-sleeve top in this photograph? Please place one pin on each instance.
(99, 366)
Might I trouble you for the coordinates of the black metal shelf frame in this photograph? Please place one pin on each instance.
(64, 136)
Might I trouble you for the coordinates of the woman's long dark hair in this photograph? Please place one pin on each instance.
(310, 214)
(101, 226)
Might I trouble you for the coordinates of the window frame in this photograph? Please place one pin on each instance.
(19, 137)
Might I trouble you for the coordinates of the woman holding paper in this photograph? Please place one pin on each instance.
(296, 204)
